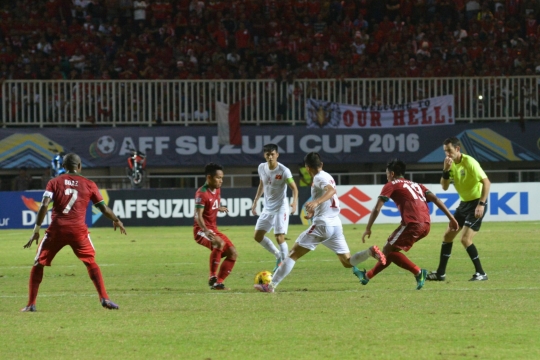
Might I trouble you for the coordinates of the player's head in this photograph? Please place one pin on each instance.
(313, 162)
(72, 162)
(270, 152)
(214, 175)
(452, 148)
(394, 169)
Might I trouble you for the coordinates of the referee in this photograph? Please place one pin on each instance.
(472, 185)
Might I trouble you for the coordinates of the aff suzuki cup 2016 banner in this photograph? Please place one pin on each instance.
(506, 202)
(428, 112)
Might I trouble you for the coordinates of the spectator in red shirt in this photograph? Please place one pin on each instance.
(413, 71)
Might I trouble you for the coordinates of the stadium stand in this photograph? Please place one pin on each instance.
(248, 39)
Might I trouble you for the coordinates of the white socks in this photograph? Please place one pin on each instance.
(282, 271)
(269, 245)
(360, 257)
(284, 250)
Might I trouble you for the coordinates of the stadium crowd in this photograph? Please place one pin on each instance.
(259, 39)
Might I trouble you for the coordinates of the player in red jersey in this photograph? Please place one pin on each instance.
(411, 199)
(70, 193)
(205, 231)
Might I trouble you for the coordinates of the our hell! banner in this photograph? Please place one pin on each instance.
(434, 111)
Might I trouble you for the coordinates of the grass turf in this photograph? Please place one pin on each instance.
(158, 276)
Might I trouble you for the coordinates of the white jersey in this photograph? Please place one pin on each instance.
(327, 213)
(274, 187)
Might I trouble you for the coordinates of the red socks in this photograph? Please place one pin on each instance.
(378, 268)
(97, 279)
(225, 269)
(215, 259)
(36, 275)
(397, 258)
(403, 262)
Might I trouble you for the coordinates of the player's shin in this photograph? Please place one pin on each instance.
(360, 257)
(225, 269)
(403, 262)
(282, 272)
(215, 260)
(269, 246)
(95, 275)
(36, 275)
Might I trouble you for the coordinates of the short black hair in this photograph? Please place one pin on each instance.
(452, 140)
(397, 166)
(270, 148)
(212, 168)
(71, 161)
(313, 160)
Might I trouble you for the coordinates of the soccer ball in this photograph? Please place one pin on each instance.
(105, 144)
(264, 277)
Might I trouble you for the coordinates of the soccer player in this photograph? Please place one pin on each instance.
(70, 193)
(274, 179)
(326, 227)
(411, 199)
(205, 231)
(472, 185)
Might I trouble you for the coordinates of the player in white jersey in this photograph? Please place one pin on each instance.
(274, 179)
(325, 229)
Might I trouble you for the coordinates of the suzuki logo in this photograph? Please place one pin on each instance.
(354, 199)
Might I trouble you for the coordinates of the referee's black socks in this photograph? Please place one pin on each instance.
(446, 250)
(473, 254)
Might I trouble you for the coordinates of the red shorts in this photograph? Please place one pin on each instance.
(201, 238)
(52, 243)
(405, 236)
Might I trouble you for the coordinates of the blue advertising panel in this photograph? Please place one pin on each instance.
(172, 207)
(193, 146)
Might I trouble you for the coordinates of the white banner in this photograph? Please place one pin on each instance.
(428, 112)
(506, 202)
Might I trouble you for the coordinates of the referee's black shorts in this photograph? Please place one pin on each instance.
(464, 214)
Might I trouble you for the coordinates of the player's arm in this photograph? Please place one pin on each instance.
(445, 177)
(434, 199)
(258, 195)
(329, 192)
(294, 189)
(480, 208)
(42, 212)
(109, 214)
(373, 216)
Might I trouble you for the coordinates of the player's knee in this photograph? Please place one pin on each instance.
(88, 262)
(232, 253)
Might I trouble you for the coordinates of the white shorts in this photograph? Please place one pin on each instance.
(279, 221)
(330, 236)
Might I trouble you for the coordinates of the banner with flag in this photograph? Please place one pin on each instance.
(427, 112)
(228, 123)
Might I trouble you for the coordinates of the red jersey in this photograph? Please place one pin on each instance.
(71, 194)
(410, 199)
(210, 201)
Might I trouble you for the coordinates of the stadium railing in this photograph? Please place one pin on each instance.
(177, 102)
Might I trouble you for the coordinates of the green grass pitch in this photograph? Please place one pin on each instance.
(158, 276)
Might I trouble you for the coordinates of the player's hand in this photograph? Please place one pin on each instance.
(310, 206)
(454, 226)
(34, 237)
(309, 215)
(120, 225)
(254, 208)
(366, 233)
(223, 209)
(293, 208)
(447, 165)
(210, 235)
(479, 211)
